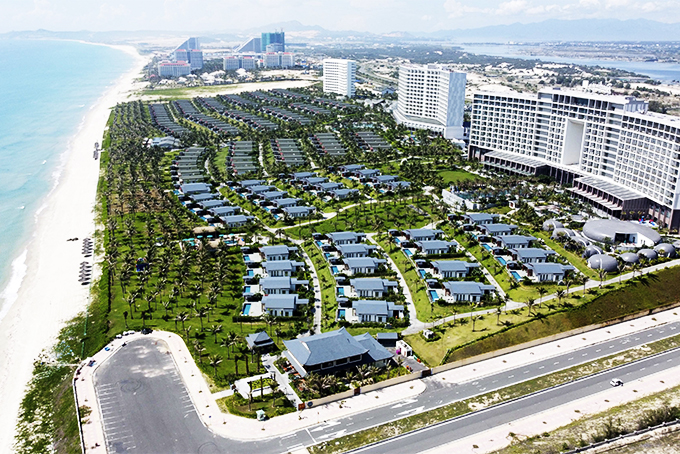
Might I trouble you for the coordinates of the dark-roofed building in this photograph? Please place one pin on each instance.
(259, 341)
(480, 218)
(497, 229)
(467, 291)
(514, 241)
(363, 265)
(435, 247)
(282, 268)
(373, 287)
(346, 237)
(299, 211)
(281, 285)
(282, 305)
(422, 234)
(453, 268)
(371, 311)
(356, 250)
(279, 252)
(194, 188)
(333, 351)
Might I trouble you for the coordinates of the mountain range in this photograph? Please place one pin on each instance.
(546, 31)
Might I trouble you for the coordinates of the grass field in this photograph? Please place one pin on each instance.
(328, 302)
(454, 176)
(634, 296)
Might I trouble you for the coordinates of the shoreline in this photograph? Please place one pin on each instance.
(49, 293)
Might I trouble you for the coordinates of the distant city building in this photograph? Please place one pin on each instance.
(275, 47)
(278, 60)
(252, 45)
(273, 38)
(190, 51)
(338, 76)
(234, 62)
(173, 69)
(431, 97)
(620, 158)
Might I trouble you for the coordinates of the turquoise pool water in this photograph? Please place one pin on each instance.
(422, 273)
(246, 258)
(247, 289)
(319, 243)
(396, 240)
(251, 273)
(327, 255)
(246, 309)
(486, 246)
(334, 269)
(407, 252)
(341, 314)
(341, 291)
(433, 295)
(516, 276)
(501, 260)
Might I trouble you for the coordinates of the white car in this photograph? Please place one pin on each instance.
(616, 382)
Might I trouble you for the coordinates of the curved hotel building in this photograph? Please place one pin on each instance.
(616, 154)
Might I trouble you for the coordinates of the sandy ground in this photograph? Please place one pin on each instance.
(223, 90)
(50, 292)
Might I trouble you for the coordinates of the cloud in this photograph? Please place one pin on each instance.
(511, 8)
(457, 9)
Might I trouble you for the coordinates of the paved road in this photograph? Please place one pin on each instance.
(481, 421)
(141, 382)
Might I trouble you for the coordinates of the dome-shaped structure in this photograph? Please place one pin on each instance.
(561, 231)
(552, 224)
(676, 244)
(616, 231)
(591, 250)
(648, 254)
(629, 257)
(665, 250)
(582, 241)
(603, 262)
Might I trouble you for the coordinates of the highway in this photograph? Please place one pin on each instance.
(146, 408)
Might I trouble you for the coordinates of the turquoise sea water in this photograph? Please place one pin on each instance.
(46, 88)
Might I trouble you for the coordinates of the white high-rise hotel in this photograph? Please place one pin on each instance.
(431, 97)
(620, 158)
(338, 76)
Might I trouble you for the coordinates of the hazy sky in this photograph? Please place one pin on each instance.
(361, 15)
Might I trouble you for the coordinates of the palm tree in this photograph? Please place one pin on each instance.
(584, 280)
(200, 313)
(269, 319)
(530, 305)
(215, 330)
(602, 273)
(274, 385)
(568, 282)
(541, 293)
(182, 317)
(125, 316)
(214, 361)
(499, 311)
(474, 320)
(560, 294)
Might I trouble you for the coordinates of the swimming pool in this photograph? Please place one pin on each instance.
(327, 255)
(319, 243)
(486, 246)
(407, 252)
(251, 273)
(433, 295)
(516, 276)
(247, 290)
(246, 309)
(422, 273)
(334, 269)
(341, 291)
(396, 240)
(341, 314)
(501, 260)
(246, 258)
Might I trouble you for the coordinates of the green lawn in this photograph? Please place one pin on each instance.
(643, 293)
(574, 259)
(454, 176)
(368, 217)
(273, 405)
(328, 302)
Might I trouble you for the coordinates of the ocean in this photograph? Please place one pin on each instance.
(664, 72)
(47, 89)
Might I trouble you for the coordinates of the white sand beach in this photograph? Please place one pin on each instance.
(50, 292)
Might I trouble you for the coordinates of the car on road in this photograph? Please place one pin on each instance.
(616, 382)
